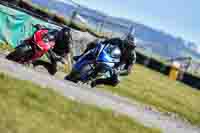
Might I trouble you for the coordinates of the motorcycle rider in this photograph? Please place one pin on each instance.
(128, 58)
(62, 39)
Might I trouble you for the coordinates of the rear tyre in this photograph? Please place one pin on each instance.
(22, 54)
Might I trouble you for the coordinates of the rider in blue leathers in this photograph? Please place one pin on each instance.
(128, 58)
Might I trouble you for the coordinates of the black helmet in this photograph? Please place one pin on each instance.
(66, 32)
(130, 39)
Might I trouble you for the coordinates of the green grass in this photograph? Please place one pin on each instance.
(157, 90)
(7, 47)
(28, 108)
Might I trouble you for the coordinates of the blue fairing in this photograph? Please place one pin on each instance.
(86, 58)
(104, 57)
(99, 54)
(79, 66)
(82, 61)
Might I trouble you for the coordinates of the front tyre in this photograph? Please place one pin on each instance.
(85, 74)
(73, 76)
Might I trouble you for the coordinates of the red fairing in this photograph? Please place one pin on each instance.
(38, 39)
(44, 46)
(39, 45)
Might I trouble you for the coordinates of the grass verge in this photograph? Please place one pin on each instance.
(5, 47)
(28, 108)
(157, 90)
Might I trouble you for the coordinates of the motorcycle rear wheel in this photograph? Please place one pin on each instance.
(22, 54)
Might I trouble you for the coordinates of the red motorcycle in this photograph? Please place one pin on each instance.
(54, 43)
(34, 47)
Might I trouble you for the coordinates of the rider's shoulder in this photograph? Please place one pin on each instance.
(113, 41)
(116, 39)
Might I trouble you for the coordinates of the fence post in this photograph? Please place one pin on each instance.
(68, 66)
(73, 17)
(74, 14)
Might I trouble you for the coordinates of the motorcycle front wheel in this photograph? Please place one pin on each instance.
(84, 75)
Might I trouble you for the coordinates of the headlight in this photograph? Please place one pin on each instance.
(115, 53)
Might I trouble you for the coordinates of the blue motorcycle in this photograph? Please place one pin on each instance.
(96, 63)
